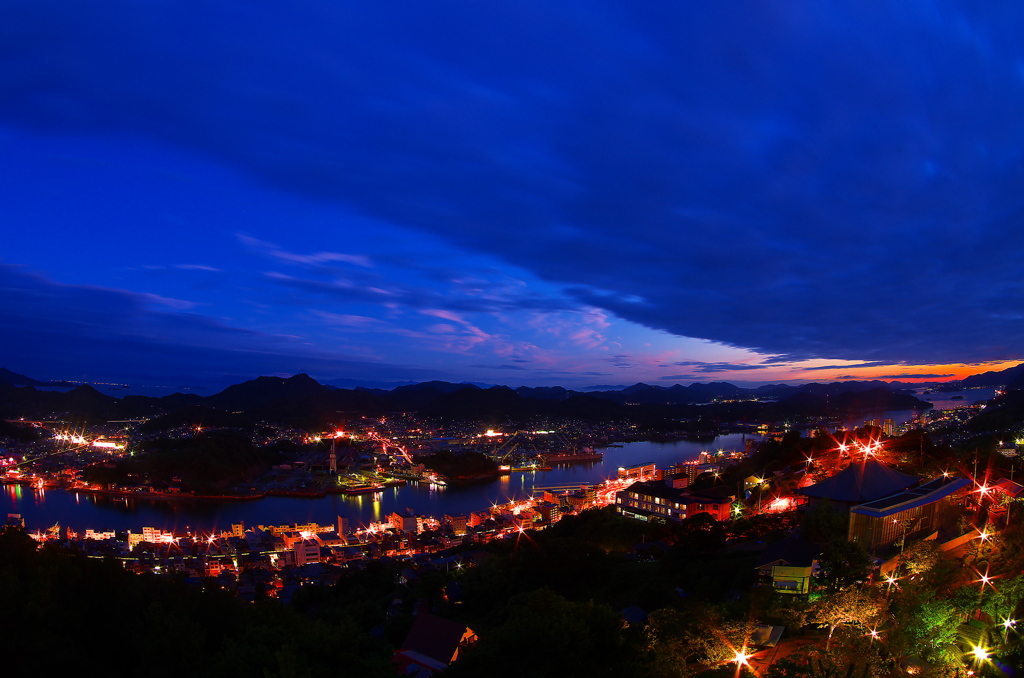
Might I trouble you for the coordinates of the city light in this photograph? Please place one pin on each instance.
(980, 653)
(741, 657)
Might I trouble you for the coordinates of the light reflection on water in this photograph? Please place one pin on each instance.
(80, 511)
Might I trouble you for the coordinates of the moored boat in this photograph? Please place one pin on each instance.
(572, 456)
(364, 489)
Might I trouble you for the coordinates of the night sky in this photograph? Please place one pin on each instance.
(525, 193)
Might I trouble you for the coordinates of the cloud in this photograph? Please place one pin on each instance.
(720, 367)
(622, 361)
(835, 181)
(350, 321)
(386, 287)
(914, 376)
(197, 267)
(553, 372)
(500, 367)
(52, 329)
(877, 363)
(318, 259)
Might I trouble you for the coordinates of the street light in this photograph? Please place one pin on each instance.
(741, 657)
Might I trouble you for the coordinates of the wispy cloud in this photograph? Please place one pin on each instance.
(317, 259)
(49, 327)
(720, 367)
(877, 363)
(197, 267)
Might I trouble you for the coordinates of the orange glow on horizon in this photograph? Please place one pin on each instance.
(957, 371)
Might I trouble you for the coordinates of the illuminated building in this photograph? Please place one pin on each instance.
(643, 471)
(457, 523)
(857, 484)
(306, 551)
(432, 644)
(405, 522)
(548, 511)
(659, 502)
(909, 514)
(789, 565)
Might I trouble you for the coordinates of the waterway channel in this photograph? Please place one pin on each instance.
(43, 508)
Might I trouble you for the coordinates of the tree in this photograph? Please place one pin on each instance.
(701, 533)
(920, 557)
(817, 663)
(843, 563)
(926, 624)
(823, 523)
(668, 644)
(852, 606)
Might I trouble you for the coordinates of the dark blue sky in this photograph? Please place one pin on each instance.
(520, 192)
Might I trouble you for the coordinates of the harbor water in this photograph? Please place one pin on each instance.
(42, 509)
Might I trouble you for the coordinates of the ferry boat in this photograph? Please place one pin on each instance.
(364, 489)
(572, 456)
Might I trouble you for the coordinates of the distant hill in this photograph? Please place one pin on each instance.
(495, 403)
(998, 378)
(877, 399)
(442, 386)
(263, 391)
(16, 379)
(544, 392)
(302, 402)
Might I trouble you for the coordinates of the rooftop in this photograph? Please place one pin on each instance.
(861, 482)
(928, 493)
